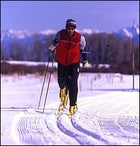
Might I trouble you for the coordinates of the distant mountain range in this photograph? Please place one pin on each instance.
(24, 34)
(14, 39)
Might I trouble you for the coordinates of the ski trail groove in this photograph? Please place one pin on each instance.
(78, 134)
(89, 133)
(51, 123)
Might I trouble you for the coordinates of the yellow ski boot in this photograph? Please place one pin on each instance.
(60, 108)
(71, 111)
(62, 95)
(65, 101)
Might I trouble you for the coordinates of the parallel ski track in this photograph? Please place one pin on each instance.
(83, 136)
(52, 123)
(88, 132)
(48, 128)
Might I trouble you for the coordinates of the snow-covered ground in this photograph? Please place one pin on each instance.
(108, 111)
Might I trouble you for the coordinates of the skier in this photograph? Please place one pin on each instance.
(68, 44)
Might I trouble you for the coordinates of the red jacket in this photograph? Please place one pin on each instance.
(68, 48)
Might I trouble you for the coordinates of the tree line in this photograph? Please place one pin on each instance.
(101, 48)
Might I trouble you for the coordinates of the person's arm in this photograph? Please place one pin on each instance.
(54, 42)
(82, 49)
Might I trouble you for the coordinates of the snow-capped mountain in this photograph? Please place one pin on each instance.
(23, 34)
(130, 32)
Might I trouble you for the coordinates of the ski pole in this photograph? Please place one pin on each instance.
(48, 85)
(43, 82)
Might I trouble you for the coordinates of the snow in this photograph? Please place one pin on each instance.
(108, 111)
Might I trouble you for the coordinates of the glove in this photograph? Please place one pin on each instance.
(85, 63)
(51, 47)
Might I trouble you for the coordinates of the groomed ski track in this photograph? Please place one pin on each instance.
(100, 128)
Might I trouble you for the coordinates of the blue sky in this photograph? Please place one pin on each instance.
(40, 15)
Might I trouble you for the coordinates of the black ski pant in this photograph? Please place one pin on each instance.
(68, 77)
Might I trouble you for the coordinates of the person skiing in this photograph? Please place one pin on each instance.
(68, 44)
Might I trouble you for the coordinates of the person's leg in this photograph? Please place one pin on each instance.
(73, 83)
(73, 86)
(62, 75)
(73, 91)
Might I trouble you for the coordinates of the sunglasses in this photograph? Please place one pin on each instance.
(70, 28)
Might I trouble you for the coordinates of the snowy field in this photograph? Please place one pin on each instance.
(108, 111)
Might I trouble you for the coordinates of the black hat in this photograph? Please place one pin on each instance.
(70, 23)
